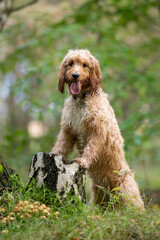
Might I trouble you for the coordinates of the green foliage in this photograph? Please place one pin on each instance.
(16, 182)
(40, 194)
(71, 219)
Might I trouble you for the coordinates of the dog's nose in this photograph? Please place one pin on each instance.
(75, 75)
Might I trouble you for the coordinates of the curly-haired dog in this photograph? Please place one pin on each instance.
(89, 122)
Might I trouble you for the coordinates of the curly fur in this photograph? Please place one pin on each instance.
(89, 123)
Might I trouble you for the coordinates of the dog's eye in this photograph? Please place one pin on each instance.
(71, 63)
(84, 65)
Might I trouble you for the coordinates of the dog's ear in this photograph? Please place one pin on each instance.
(95, 75)
(61, 75)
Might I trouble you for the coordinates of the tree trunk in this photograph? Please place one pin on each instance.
(57, 175)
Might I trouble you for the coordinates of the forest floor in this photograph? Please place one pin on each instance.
(35, 214)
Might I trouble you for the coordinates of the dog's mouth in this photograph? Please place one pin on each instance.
(75, 87)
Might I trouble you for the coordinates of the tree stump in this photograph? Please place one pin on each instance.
(58, 176)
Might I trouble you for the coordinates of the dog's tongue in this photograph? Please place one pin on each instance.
(75, 88)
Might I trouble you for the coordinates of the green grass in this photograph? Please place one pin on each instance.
(78, 221)
(74, 219)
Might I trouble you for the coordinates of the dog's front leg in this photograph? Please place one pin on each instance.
(65, 142)
(91, 151)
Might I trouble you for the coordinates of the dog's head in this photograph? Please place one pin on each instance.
(80, 70)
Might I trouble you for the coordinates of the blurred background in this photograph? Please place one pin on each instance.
(123, 35)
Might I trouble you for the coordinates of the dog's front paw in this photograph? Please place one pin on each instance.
(82, 162)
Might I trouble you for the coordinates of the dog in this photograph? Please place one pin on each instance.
(88, 121)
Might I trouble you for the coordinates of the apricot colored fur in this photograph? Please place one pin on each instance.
(89, 123)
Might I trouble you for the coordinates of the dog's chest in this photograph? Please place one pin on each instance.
(75, 116)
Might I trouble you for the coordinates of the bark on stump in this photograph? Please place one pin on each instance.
(58, 176)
